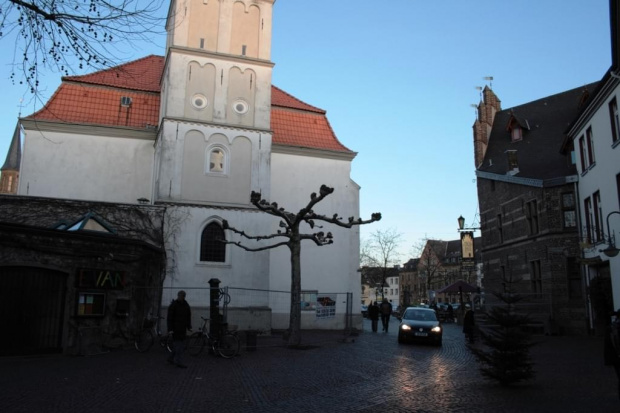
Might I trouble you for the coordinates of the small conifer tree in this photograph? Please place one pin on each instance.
(505, 353)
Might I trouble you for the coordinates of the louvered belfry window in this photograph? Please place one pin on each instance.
(211, 249)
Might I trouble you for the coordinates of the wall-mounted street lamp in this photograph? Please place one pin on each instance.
(461, 222)
(611, 250)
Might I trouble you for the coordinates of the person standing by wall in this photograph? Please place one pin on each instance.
(469, 324)
(386, 311)
(373, 315)
(179, 321)
(612, 345)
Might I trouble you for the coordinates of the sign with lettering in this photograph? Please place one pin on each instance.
(101, 279)
(467, 249)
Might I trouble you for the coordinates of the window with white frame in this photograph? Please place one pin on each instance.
(516, 134)
(589, 217)
(615, 120)
(590, 143)
(582, 154)
(598, 217)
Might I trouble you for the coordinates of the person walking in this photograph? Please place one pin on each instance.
(373, 315)
(469, 323)
(179, 322)
(386, 311)
(612, 345)
(450, 311)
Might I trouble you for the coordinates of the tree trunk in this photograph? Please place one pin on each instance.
(294, 327)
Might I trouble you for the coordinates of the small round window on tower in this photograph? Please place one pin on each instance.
(199, 101)
(240, 106)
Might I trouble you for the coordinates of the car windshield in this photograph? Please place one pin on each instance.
(420, 315)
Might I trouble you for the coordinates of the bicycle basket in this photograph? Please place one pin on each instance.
(148, 323)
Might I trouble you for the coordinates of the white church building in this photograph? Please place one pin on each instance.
(195, 132)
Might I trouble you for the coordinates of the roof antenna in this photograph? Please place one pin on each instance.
(490, 79)
(473, 105)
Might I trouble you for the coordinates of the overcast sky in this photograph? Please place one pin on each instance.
(397, 79)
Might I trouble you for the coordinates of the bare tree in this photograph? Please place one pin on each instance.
(380, 253)
(61, 35)
(291, 237)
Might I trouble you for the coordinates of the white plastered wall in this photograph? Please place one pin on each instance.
(602, 177)
(88, 167)
(331, 268)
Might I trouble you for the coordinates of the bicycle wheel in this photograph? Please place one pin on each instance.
(196, 344)
(144, 340)
(165, 342)
(227, 345)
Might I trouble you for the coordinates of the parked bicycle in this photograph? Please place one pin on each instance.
(226, 344)
(146, 337)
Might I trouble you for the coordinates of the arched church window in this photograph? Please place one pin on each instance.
(211, 247)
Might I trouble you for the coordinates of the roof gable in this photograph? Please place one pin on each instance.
(14, 156)
(539, 152)
(142, 74)
(95, 99)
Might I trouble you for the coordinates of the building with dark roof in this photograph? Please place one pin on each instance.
(527, 198)
(548, 173)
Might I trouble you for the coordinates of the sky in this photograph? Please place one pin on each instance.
(398, 79)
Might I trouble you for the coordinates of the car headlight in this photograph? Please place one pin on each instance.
(436, 329)
(405, 327)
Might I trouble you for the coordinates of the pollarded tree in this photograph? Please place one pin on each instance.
(292, 237)
(65, 35)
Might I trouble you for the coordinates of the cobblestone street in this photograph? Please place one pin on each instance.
(367, 373)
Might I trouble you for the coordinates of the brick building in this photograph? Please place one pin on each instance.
(527, 197)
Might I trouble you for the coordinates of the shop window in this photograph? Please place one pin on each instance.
(91, 304)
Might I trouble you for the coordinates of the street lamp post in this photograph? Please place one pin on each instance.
(611, 250)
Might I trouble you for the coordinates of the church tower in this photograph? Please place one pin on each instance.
(215, 102)
(10, 170)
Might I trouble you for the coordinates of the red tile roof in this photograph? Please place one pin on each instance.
(142, 74)
(96, 105)
(95, 99)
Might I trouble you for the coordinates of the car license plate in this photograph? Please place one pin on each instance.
(421, 334)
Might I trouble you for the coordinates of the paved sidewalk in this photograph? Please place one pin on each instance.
(367, 373)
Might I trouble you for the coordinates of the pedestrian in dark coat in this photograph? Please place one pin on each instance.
(386, 311)
(469, 324)
(179, 321)
(373, 315)
(450, 311)
(612, 345)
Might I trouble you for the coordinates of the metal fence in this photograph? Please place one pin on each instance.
(250, 309)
